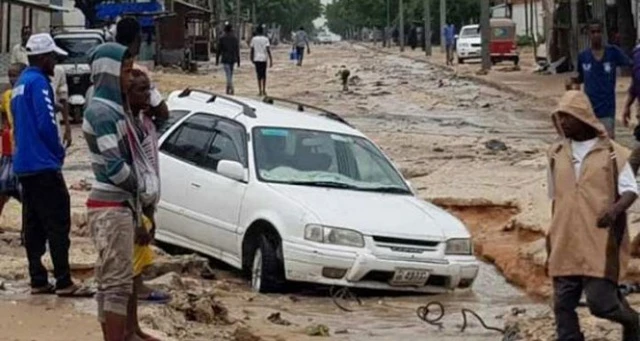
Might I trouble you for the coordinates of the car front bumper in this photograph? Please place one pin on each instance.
(469, 52)
(305, 263)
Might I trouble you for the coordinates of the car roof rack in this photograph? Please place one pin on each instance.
(246, 109)
(301, 106)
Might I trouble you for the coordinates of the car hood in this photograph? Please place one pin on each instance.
(471, 40)
(380, 214)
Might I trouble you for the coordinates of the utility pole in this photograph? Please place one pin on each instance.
(575, 33)
(237, 18)
(443, 21)
(427, 27)
(485, 30)
(387, 30)
(401, 29)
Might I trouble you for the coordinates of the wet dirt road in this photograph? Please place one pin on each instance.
(469, 147)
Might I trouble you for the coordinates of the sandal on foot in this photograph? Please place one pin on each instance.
(75, 291)
(156, 297)
(44, 290)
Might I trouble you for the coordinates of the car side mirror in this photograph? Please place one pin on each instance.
(455, 37)
(233, 170)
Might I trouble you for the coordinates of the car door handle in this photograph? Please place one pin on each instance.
(195, 185)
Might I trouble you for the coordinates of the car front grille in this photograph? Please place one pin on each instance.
(476, 45)
(405, 245)
(386, 276)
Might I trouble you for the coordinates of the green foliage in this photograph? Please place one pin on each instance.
(290, 14)
(343, 15)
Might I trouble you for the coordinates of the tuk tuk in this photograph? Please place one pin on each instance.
(77, 43)
(503, 45)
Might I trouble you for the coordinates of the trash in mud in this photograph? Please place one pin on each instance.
(515, 311)
(79, 225)
(354, 80)
(318, 330)
(495, 145)
(276, 318)
(2, 286)
(341, 331)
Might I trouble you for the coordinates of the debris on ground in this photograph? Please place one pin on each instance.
(168, 281)
(191, 264)
(495, 145)
(200, 307)
(276, 318)
(79, 226)
(317, 330)
(244, 334)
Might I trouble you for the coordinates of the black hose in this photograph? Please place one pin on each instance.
(424, 311)
(343, 294)
(464, 322)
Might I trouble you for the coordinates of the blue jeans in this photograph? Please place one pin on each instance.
(228, 72)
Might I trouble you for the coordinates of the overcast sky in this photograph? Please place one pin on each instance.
(320, 21)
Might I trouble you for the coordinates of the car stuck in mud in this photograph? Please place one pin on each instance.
(286, 195)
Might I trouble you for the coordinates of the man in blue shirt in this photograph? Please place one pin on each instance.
(597, 67)
(37, 162)
(449, 33)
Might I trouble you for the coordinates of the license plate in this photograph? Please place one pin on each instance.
(409, 277)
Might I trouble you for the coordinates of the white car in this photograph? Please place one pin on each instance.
(469, 43)
(291, 196)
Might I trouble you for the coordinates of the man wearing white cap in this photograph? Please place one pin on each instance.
(38, 160)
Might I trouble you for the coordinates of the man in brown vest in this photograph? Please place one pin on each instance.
(592, 186)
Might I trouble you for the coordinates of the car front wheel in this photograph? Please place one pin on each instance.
(267, 271)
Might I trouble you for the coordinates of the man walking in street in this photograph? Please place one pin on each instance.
(260, 53)
(38, 160)
(591, 185)
(597, 68)
(19, 51)
(301, 40)
(449, 32)
(229, 50)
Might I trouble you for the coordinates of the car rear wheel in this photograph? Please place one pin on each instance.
(267, 270)
(460, 61)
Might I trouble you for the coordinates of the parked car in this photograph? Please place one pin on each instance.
(77, 43)
(287, 195)
(324, 38)
(469, 43)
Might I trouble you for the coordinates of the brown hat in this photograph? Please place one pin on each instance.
(576, 104)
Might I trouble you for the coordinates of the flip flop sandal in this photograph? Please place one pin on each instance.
(156, 297)
(46, 290)
(75, 291)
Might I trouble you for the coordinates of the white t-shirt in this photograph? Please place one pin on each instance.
(259, 44)
(626, 179)
(59, 84)
(19, 55)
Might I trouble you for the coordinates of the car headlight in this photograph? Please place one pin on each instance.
(333, 235)
(459, 247)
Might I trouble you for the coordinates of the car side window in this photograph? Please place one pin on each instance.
(228, 144)
(190, 141)
(174, 116)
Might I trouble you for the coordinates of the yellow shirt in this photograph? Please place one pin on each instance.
(6, 108)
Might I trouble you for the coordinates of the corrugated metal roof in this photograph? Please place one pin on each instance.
(40, 5)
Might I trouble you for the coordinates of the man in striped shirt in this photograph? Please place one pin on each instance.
(113, 207)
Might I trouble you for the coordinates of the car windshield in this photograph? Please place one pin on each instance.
(77, 48)
(470, 32)
(315, 158)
